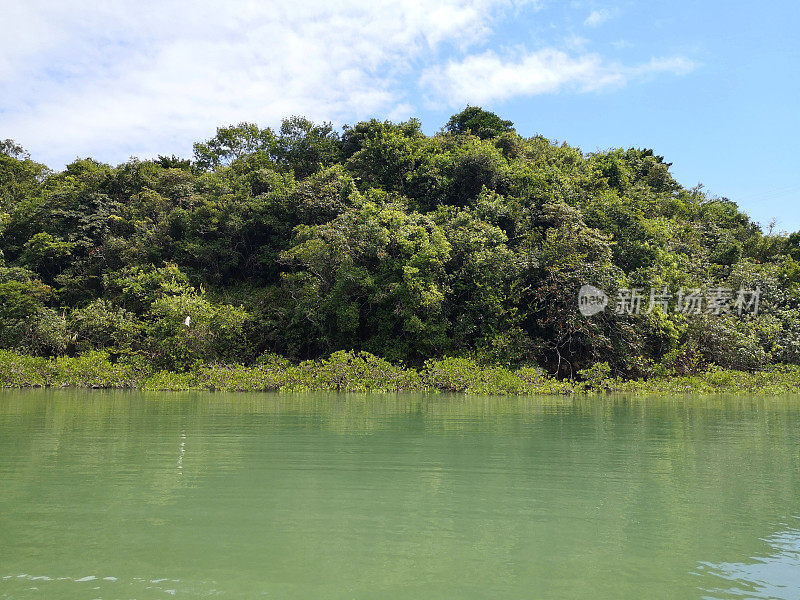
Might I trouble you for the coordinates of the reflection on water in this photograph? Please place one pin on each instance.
(93, 586)
(774, 577)
(146, 495)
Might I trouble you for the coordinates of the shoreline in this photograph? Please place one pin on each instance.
(363, 372)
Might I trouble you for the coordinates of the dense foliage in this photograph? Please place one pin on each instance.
(305, 241)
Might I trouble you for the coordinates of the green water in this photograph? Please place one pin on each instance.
(119, 495)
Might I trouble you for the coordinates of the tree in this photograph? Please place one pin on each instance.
(471, 242)
(306, 148)
(479, 122)
(233, 142)
(373, 279)
(20, 177)
(480, 269)
(27, 324)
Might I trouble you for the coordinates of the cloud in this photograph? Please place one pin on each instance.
(115, 79)
(488, 77)
(597, 17)
(119, 79)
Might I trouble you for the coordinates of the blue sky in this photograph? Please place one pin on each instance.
(712, 86)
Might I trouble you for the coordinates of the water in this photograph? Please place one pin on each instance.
(118, 495)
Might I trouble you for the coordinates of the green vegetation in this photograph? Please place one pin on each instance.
(364, 372)
(456, 257)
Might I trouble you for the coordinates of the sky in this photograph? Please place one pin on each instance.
(712, 86)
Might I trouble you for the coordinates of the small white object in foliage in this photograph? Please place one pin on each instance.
(187, 321)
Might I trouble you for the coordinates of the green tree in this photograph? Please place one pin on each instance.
(477, 121)
(234, 142)
(373, 279)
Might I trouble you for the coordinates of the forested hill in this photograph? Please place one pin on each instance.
(303, 241)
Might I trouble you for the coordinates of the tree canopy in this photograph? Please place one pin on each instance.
(303, 241)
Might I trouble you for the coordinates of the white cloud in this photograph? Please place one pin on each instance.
(488, 77)
(597, 17)
(116, 79)
(120, 78)
(575, 42)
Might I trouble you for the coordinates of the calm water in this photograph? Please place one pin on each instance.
(135, 495)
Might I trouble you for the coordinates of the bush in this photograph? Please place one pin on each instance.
(170, 381)
(94, 370)
(729, 344)
(20, 371)
(237, 378)
(214, 332)
(26, 324)
(91, 369)
(597, 377)
(450, 374)
(100, 324)
(465, 375)
(43, 334)
(352, 372)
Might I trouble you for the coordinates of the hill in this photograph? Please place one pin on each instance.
(472, 242)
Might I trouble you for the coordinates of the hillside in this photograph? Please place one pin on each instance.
(472, 242)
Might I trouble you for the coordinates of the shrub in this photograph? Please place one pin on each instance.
(170, 381)
(94, 369)
(597, 377)
(450, 374)
(352, 372)
(214, 332)
(729, 344)
(237, 378)
(100, 324)
(20, 371)
(26, 324)
(43, 334)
